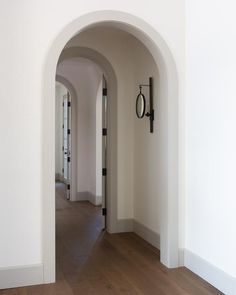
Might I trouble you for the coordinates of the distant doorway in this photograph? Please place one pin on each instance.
(63, 137)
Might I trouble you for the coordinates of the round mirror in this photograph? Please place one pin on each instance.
(140, 105)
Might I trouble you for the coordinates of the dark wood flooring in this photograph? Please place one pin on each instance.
(93, 262)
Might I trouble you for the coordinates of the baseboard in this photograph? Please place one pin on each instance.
(20, 276)
(82, 196)
(215, 276)
(88, 196)
(95, 200)
(181, 257)
(124, 225)
(147, 234)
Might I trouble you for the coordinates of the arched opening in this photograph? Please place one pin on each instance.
(111, 80)
(168, 83)
(62, 173)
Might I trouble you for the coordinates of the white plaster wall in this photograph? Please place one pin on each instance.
(29, 28)
(210, 138)
(60, 92)
(148, 147)
(85, 76)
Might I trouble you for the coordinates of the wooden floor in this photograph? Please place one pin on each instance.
(92, 262)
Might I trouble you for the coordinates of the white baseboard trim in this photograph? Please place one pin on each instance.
(82, 196)
(95, 200)
(147, 234)
(88, 196)
(215, 276)
(20, 276)
(181, 257)
(124, 225)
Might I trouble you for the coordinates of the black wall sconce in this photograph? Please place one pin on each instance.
(141, 103)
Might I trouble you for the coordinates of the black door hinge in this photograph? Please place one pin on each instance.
(104, 171)
(68, 131)
(68, 159)
(68, 186)
(104, 211)
(68, 103)
(104, 91)
(104, 131)
(62, 170)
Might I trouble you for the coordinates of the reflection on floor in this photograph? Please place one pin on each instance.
(92, 262)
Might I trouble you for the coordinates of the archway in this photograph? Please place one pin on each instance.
(169, 81)
(110, 77)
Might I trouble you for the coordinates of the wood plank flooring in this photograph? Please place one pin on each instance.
(93, 262)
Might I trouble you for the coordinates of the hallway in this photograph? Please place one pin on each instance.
(92, 262)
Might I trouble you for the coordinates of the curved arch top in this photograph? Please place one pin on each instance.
(169, 81)
(93, 55)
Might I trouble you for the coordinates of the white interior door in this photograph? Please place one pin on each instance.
(67, 141)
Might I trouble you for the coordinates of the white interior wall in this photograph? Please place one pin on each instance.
(210, 138)
(148, 147)
(60, 92)
(86, 77)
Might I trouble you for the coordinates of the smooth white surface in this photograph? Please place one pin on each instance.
(11, 277)
(210, 137)
(146, 233)
(149, 168)
(209, 272)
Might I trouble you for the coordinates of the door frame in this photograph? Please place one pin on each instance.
(171, 226)
(73, 153)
